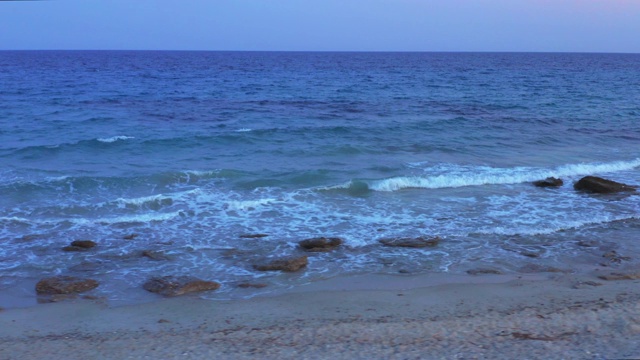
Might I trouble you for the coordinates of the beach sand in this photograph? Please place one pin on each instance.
(550, 316)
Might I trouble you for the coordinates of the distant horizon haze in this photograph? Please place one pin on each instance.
(583, 26)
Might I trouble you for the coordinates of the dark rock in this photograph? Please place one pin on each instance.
(530, 254)
(418, 242)
(549, 182)
(598, 185)
(155, 255)
(253, 236)
(250, 285)
(85, 244)
(484, 271)
(320, 244)
(163, 321)
(285, 264)
(64, 285)
(130, 236)
(80, 245)
(178, 285)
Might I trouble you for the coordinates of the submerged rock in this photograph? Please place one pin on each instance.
(155, 255)
(80, 245)
(320, 244)
(178, 285)
(418, 242)
(252, 285)
(130, 236)
(549, 182)
(87, 244)
(284, 264)
(73, 248)
(594, 184)
(253, 236)
(64, 285)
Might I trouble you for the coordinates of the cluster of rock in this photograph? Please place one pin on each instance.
(589, 184)
(179, 285)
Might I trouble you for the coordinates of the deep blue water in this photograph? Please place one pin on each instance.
(192, 149)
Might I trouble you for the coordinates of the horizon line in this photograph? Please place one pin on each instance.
(346, 51)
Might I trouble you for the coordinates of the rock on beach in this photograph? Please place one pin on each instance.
(64, 285)
(178, 285)
(284, 264)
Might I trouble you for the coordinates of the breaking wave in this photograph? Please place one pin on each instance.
(457, 176)
(115, 138)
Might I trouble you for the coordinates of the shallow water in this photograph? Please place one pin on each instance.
(190, 150)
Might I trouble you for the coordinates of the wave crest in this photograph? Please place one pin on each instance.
(456, 176)
(115, 138)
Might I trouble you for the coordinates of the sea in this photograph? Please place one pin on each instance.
(183, 154)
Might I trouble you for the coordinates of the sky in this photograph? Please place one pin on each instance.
(323, 25)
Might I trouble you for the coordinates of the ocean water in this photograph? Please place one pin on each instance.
(191, 150)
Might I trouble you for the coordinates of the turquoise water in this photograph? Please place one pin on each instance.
(190, 150)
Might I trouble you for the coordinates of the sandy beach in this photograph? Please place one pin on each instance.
(552, 316)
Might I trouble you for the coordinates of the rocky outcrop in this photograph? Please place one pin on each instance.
(178, 285)
(418, 242)
(549, 182)
(155, 255)
(320, 244)
(64, 285)
(284, 264)
(594, 184)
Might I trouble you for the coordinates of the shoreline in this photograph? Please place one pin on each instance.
(367, 316)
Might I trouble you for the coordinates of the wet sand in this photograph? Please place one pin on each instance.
(549, 316)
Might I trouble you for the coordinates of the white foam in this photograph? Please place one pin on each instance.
(142, 200)
(115, 138)
(143, 218)
(14, 219)
(474, 176)
(244, 130)
(551, 227)
(247, 204)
